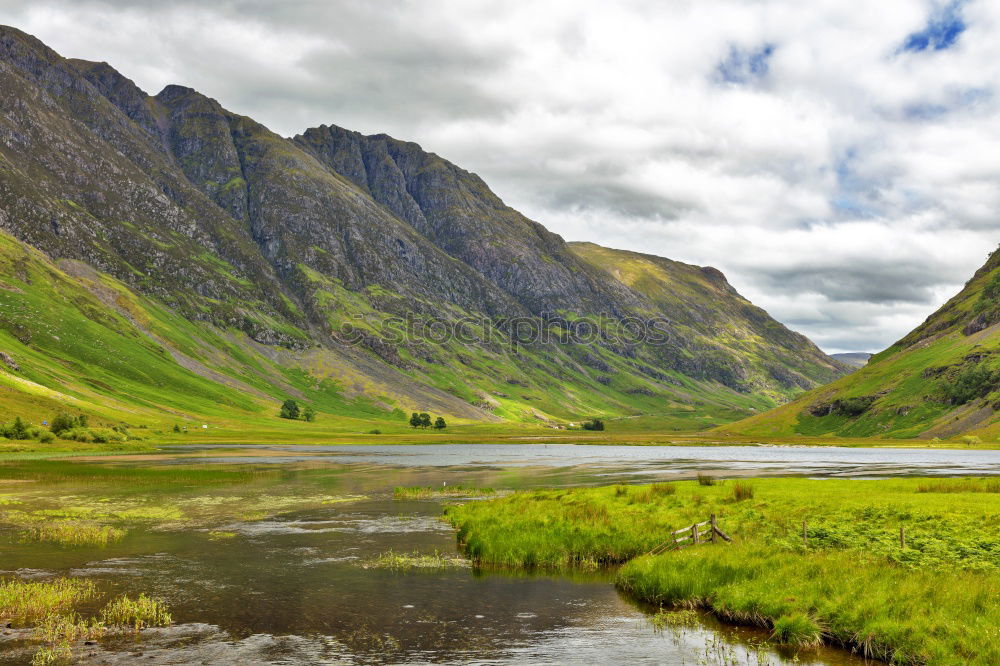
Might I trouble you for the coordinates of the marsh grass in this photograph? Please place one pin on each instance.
(705, 479)
(882, 611)
(742, 490)
(31, 601)
(61, 629)
(51, 655)
(674, 618)
(415, 560)
(960, 486)
(136, 614)
(428, 492)
(72, 533)
(56, 471)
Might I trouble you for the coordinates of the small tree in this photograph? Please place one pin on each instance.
(425, 420)
(290, 409)
(415, 420)
(177, 428)
(439, 424)
(83, 421)
(19, 430)
(596, 424)
(309, 414)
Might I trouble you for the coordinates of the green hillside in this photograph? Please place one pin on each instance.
(165, 258)
(941, 380)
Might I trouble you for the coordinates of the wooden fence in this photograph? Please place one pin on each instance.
(692, 536)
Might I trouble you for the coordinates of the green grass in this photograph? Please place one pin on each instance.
(935, 601)
(899, 615)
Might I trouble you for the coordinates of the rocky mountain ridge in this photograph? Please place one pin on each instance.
(286, 244)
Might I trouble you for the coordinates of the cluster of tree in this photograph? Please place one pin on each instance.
(19, 429)
(423, 420)
(595, 424)
(66, 426)
(291, 410)
(63, 422)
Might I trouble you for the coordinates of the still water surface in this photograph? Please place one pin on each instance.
(291, 587)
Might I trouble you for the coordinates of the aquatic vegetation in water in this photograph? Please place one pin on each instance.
(72, 533)
(30, 601)
(51, 655)
(217, 535)
(136, 613)
(428, 492)
(674, 618)
(415, 560)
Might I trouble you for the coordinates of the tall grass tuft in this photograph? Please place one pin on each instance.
(136, 613)
(961, 486)
(705, 479)
(742, 490)
(797, 629)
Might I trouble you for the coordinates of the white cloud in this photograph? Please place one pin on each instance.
(842, 183)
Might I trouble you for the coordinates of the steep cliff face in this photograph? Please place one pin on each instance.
(942, 379)
(332, 237)
(458, 213)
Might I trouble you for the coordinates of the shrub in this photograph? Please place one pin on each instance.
(705, 479)
(439, 424)
(309, 414)
(971, 383)
(971, 440)
(46, 437)
(62, 422)
(596, 424)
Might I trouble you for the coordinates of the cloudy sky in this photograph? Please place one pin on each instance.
(839, 160)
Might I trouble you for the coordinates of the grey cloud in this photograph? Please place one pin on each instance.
(607, 122)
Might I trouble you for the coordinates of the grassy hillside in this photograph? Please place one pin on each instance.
(79, 340)
(941, 380)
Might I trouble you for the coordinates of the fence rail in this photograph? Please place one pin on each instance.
(693, 534)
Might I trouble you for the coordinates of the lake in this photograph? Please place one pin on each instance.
(277, 569)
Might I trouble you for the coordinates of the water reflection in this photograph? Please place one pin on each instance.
(288, 588)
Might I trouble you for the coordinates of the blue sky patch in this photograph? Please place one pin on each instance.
(745, 66)
(944, 26)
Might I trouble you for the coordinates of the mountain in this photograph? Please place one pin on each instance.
(164, 256)
(853, 359)
(940, 380)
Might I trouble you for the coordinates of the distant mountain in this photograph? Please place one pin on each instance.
(853, 359)
(162, 255)
(941, 380)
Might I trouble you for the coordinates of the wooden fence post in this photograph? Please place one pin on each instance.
(714, 528)
(694, 533)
